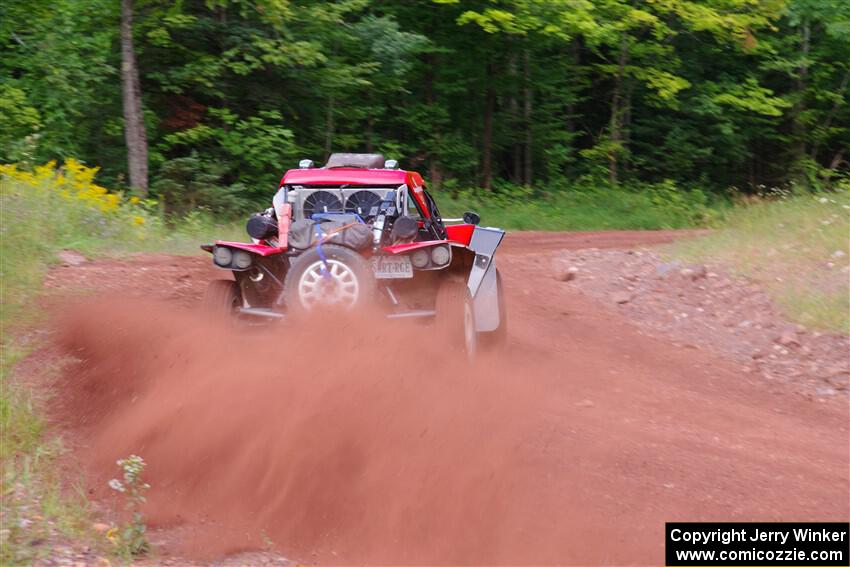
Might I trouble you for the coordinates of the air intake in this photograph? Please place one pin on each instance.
(364, 161)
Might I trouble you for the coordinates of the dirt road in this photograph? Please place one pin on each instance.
(573, 446)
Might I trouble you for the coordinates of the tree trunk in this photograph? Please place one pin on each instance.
(528, 171)
(798, 128)
(569, 121)
(837, 159)
(435, 171)
(134, 120)
(329, 126)
(487, 130)
(832, 112)
(516, 121)
(370, 131)
(435, 174)
(614, 128)
(626, 126)
(616, 123)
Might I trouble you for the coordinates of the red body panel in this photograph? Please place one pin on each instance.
(259, 249)
(460, 233)
(359, 176)
(402, 248)
(348, 176)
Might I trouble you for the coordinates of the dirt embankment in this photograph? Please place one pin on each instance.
(355, 441)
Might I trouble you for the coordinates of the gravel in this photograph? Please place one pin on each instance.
(709, 309)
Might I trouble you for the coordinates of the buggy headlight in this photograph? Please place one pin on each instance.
(242, 259)
(222, 256)
(440, 255)
(419, 259)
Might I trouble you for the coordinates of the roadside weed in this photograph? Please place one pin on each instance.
(130, 539)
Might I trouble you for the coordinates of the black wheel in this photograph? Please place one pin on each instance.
(222, 299)
(343, 280)
(498, 336)
(455, 319)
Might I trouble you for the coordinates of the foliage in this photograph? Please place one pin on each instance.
(19, 123)
(707, 93)
(190, 184)
(765, 236)
(59, 54)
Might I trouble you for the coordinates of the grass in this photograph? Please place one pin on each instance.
(41, 213)
(645, 207)
(35, 503)
(797, 247)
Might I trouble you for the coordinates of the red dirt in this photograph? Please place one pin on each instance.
(340, 443)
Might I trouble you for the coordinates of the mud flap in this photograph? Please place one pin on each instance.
(486, 302)
(482, 281)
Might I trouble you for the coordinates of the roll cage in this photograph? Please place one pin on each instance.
(426, 206)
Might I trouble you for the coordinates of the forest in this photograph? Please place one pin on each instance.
(214, 99)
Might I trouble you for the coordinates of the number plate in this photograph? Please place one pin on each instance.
(391, 267)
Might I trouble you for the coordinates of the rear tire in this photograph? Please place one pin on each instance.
(455, 319)
(350, 284)
(222, 299)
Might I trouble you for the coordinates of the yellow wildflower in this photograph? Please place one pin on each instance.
(73, 182)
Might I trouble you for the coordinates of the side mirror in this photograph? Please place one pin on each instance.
(470, 217)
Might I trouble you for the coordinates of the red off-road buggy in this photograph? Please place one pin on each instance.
(356, 231)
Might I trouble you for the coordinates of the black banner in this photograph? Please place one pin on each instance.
(811, 544)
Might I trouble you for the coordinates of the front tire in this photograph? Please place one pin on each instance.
(343, 280)
(455, 318)
(222, 299)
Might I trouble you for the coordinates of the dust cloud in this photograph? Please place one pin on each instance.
(335, 440)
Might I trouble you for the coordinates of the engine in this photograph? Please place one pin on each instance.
(355, 210)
